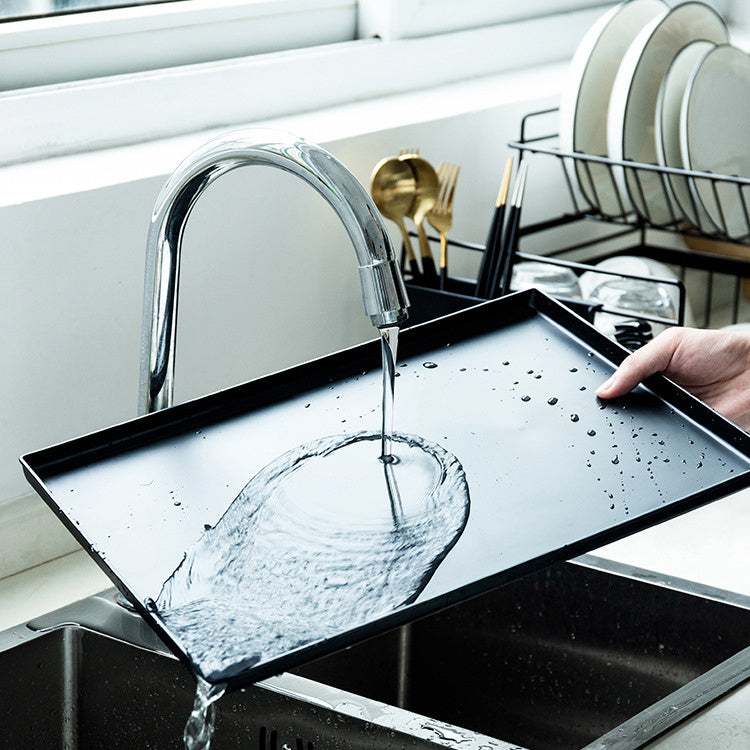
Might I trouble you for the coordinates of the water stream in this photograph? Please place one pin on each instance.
(389, 349)
(329, 536)
(200, 724)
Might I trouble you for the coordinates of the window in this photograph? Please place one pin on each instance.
(100, 43)
(22, 9)
(52, 43)
(92, 80)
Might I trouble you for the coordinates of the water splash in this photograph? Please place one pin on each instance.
(310, 549)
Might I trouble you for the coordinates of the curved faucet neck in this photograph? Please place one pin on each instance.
(383, 292)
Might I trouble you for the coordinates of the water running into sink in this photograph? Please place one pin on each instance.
(330, 535)
(200, 725)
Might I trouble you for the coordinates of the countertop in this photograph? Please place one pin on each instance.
(708, 546)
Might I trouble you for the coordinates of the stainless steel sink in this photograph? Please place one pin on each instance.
(553, 661)
(74, 689)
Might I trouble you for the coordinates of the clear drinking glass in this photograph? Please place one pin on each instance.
(557, 281)
(634, 296)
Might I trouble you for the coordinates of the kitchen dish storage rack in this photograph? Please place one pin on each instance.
(715, 267)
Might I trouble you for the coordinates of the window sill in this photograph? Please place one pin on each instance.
(75, 173)
(48, 121)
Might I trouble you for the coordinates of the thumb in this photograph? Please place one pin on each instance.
(652, 358)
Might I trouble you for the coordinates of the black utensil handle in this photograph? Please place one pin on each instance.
(414, 268)
(429, 272)
(486, 263)
(503, 263)
(490, 257)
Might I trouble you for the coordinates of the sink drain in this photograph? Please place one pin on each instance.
(268, 739)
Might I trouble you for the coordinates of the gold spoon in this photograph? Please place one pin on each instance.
(425, 197)
(393, 187)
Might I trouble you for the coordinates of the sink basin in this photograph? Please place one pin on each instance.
(549, 662)
(74, 689)
(552, 661)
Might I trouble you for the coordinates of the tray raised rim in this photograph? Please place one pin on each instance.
(42, 465)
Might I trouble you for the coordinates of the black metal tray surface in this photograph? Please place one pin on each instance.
(256, 529)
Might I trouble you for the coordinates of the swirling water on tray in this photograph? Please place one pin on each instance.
(314, 546)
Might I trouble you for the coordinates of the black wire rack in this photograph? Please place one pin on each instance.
(713, 258)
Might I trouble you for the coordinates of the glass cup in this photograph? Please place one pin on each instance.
(557, 281)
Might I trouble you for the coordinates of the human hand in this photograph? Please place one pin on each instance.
(712, 365)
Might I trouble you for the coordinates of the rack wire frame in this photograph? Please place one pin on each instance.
(632, 232)
(727, 191)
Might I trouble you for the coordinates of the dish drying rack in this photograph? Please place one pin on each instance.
(711, 269)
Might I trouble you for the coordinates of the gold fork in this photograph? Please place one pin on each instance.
(441, 215)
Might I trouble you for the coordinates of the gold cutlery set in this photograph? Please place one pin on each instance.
(409, 187)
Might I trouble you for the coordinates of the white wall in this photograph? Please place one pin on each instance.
(268, 275)
(268, 280)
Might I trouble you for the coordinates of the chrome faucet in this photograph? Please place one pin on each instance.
(383, 291)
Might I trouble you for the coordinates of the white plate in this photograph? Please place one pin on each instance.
(632, 105)
(715, 133)
(585, 96)
(668, 111)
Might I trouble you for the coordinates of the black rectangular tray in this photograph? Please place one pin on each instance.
(532, 468)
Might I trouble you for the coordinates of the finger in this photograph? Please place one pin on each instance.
(654, 357)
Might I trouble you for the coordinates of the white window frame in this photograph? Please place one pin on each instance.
(402, 19)
(98, 43)
(395, 51)
(127, 49)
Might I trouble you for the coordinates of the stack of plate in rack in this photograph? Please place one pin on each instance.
(584, 104)
(663, 86)
(714, 124)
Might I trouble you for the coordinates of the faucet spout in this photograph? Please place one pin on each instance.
(383, 292)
